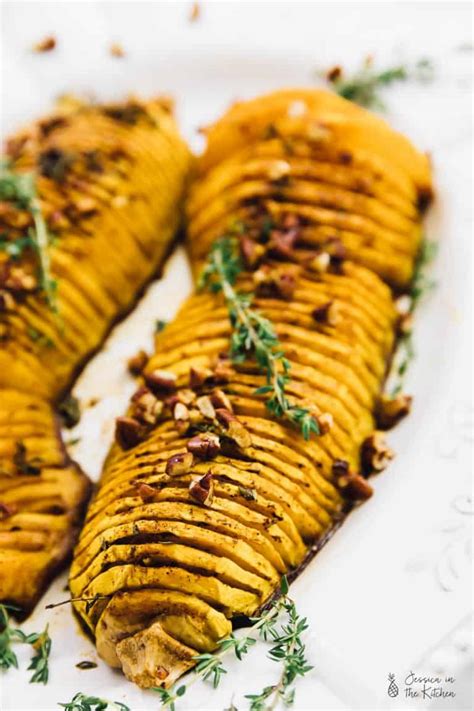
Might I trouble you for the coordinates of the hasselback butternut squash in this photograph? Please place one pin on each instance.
(207, 497)
(78, 242)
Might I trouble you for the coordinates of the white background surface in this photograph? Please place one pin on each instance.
(392, 591)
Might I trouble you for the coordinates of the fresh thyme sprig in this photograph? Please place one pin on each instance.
(81, 702)
(42, 645)
(20, 189)
(40, 641)
(8, 635)
(288, 649)
(421, 285)
(364, 85)
(253, 334)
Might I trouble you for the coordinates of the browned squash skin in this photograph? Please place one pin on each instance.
(206, 500)
(109, 182)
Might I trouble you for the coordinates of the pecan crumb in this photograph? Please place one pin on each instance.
(137, 363)
(392, 410)
(161, 381)
(325, 422)
(235, 430)
(128, 432)
(198, 376)
(45, 45)
(6, 510)
(202, 489)
(205, 446)
(375, 454)
(116, 50)
(146, 492)
(355, 487)
(195, 12)
(179, 464)
(327, 314)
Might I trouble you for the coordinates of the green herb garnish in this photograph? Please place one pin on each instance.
(422, 284)
(20, 190)
(81, 702)
(364, 85)
(253, 334)
(41, 643)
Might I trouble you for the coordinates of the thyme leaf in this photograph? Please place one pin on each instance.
(20, 189)
(81, 702)
(253, 334)
(422, 284)
(39, 662)
(363, 87)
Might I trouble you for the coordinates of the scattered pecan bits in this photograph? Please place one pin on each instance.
(24, 464)
(162, 673)
(276, 282)
(195, 12)
(340, 467)
(146, 408)
(355, 487)
(70, 411)
(161, 381)
(128, 432)
(375, 454)
(47, 44)
(251, 251)
(206, 407)
(392, 410)
(54, 163)
(327, 314)
(179, 464)
(325, 422)
(202, 489)
(137, 363)
(234, 429)
(220, 400)
(6, 510)
(206, 445)
(351, 484)
(116, 50)
(181, 416)
(146, 492)
(199, 376)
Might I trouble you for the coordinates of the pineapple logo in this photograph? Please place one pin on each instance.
(392, 690)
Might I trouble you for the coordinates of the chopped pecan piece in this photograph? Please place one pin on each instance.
(146, 492)
(7, 302)
(334, 74)
(116, 50)
(375, 454)
(328, 314)
(392, 410)
(179, 464)
(205, 446)
(275, 282)
(181, 417)
(160, 381)
(198, 376)
(355, 487)
(45, 45)
(146, 407)
(137, 363)
(235, 430)
(128, 432)
(325, 422)
(6, 510)
(202, 489)
(223, 370)
(340, 467)
(220, 400)
(320, 263)
(251, 251)
(205, 407)
(282, 243)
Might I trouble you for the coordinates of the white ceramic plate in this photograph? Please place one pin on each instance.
(392, 590)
